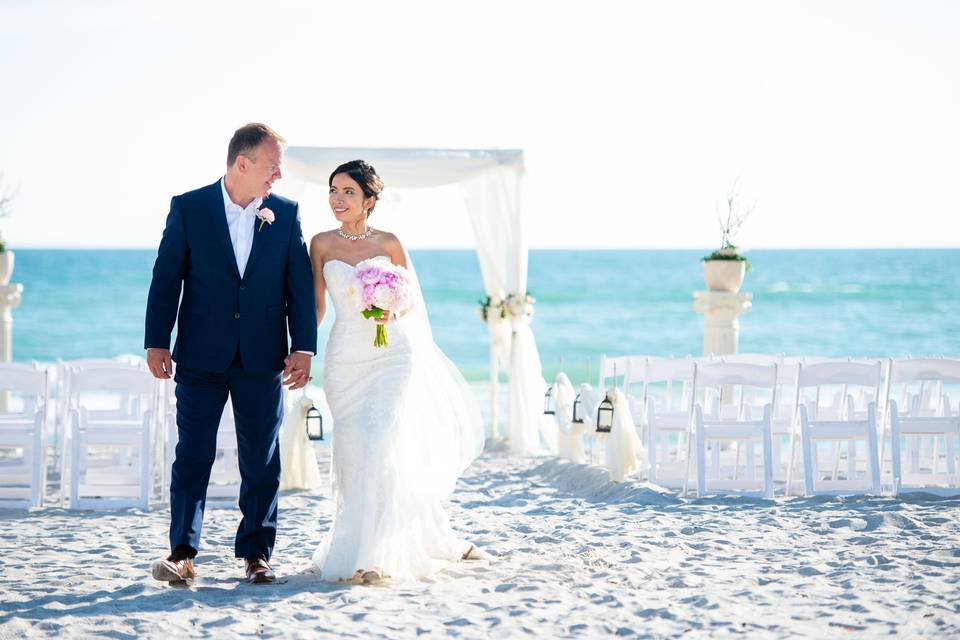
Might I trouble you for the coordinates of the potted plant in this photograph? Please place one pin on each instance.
(6, 256)
(724, 269)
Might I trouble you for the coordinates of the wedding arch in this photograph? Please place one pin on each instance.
(490, 182)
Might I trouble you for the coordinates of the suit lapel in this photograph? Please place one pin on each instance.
(218, 220)
(259, 238)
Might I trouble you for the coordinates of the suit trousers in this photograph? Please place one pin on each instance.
(258, 411)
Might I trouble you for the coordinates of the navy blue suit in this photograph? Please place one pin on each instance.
(231, 338)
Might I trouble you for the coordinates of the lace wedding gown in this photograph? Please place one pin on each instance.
(406, 425)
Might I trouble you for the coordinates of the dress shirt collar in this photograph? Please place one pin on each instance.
(232, 207)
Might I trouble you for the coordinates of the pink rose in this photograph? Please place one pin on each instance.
(370, 275)
(266, 215)
(368, 290)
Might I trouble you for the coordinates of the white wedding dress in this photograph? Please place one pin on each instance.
(406, 425)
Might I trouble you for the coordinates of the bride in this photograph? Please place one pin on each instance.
(406, 424)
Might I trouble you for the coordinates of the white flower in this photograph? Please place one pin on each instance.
(383, 297)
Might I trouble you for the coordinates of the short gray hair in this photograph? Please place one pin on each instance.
(249, 137)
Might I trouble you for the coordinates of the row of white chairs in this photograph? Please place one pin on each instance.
(112, 436)
(824, 422)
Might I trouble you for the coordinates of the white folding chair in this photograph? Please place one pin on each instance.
(223, 489)
(782, 419)
(740, 379)
(24, 397)
(839, 423)
(922, 417)
(114, 412)
(667, 407)
(614, 372)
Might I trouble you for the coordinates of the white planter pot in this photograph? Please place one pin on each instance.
(724, 275)
(6, 266)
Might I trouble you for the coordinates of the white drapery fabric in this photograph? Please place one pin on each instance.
(569, 433)
(625, 453)
(298, 461)
(491, 181)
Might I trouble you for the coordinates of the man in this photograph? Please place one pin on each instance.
(237, 252)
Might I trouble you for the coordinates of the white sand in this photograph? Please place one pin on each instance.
(577, 556)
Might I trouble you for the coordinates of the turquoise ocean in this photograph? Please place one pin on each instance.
(90, 303)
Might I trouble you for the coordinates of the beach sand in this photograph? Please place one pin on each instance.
(574, 556)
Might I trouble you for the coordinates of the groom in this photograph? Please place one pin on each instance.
(238, 253)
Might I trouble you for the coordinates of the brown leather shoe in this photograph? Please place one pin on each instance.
(258, 570)
(174, 569)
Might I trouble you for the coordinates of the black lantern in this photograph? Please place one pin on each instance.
(605, 415)
(577, 410)
(314, 424)
(548, 409)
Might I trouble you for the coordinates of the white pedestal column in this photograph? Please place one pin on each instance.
(721, 327)
(10, 296)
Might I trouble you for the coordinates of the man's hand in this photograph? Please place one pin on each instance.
(160, 363)
(296, 371)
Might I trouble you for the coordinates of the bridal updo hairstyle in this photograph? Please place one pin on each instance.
(364, 175)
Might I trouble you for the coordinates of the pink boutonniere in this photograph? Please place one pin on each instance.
(266, 216)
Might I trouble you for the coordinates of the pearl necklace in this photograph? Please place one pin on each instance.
(363, 236)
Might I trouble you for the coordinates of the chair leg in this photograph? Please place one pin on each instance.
(808, 460)
(895, 458)
(715, 455)
(836, 460)
(884, 433)
(701, 462)
(873, 466)
(851, 459)
(951, 453)
(736, 461)
(145, 467)
(791, 461)
(935, 455)
(75, 463)
(767, 464)
(652, 451)
(913, 448)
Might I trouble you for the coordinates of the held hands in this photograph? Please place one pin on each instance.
(160, 363)
(384, 317)
(296, 370)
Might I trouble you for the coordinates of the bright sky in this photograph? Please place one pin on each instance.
(635, 117)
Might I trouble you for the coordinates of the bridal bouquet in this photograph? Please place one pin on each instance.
(380, 286)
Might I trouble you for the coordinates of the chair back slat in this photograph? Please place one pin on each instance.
(924, 369)
(117, 379)
(736, 373)
(839, 373)
(22, 379)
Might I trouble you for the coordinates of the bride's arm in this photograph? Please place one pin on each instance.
(319, 284)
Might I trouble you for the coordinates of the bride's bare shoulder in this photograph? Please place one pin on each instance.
(321, 242)
(323, 238)
(389, 240)
(391, 244)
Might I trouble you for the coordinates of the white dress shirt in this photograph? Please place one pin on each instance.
(242, 223)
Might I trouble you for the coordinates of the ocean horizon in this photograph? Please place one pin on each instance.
(83, 303)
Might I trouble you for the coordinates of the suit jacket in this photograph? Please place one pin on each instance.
(220, 311)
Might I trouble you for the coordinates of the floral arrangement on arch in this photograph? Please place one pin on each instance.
(492, 306)
(503, 305)
(520, 305)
